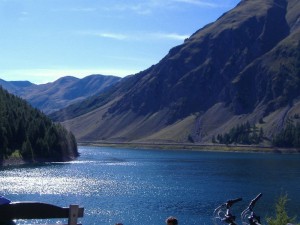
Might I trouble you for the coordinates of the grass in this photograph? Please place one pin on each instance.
(16, 155)
(193, 147)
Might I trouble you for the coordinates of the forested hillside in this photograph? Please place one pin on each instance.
(27, 133)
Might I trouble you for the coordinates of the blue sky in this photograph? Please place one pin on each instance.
(42, 40)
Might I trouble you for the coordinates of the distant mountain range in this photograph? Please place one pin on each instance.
(65, 91)
(244, 67)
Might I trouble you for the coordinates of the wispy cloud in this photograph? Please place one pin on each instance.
(150, 6)
(86, 9)
(76, 9)
(109, 35)
(144, 7)
(113, 36)
(169, 36)
(139, 8)
(199, 3)
(137, 36)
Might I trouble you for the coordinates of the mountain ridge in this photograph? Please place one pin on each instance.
(65, 91)
(208, 84)
(242, 68)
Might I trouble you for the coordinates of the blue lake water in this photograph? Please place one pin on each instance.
(137, 187)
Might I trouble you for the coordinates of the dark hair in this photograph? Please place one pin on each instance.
(172, 220)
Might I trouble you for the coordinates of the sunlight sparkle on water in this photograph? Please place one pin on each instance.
(36, 181)
(131, 186)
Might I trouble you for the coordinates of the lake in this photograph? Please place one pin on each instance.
(136, 186)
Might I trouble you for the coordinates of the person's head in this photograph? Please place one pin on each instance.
(171, 221)
(119, 224)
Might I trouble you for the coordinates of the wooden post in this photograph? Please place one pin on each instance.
(73, 215)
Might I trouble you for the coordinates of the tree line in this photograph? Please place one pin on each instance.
(31, 133)
(241, 134)
(288, 137)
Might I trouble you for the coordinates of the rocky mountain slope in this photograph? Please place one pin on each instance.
(243, 67)
(56, 95)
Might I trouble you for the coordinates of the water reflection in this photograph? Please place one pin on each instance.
(142, 185)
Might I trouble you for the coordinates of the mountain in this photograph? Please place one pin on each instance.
(56, 95)
(13, 86)
(27, 134)
(244, 67)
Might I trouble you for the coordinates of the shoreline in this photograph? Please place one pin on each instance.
(193, 147)
(13, 162)
(21, 162)
(164, 146)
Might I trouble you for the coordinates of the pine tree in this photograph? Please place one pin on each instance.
(281, 216)
(30, 131)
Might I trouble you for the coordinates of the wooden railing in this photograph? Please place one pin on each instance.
(38, 210)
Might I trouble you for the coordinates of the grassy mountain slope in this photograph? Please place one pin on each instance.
(243, 67)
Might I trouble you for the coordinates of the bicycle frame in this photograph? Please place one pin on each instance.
(248, 216)
(223, 214)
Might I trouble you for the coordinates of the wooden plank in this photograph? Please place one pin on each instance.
(34, 210)
(73, 215)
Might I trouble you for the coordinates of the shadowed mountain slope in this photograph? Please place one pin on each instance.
(61, 93)
(243, 67)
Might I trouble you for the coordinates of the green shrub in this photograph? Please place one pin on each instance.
(281, 216)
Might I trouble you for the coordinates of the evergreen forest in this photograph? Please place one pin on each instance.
(241, 134)
(27, 133)
(288, 137)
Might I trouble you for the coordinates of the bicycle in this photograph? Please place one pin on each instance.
(249, 214)
(223, 213)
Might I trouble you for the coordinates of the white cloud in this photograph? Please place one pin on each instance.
(198, 3)
(78, 9)
(142, 8)
(147, 7)
(138, 36)
(169, 36)
(83, 9)
(112, 36)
